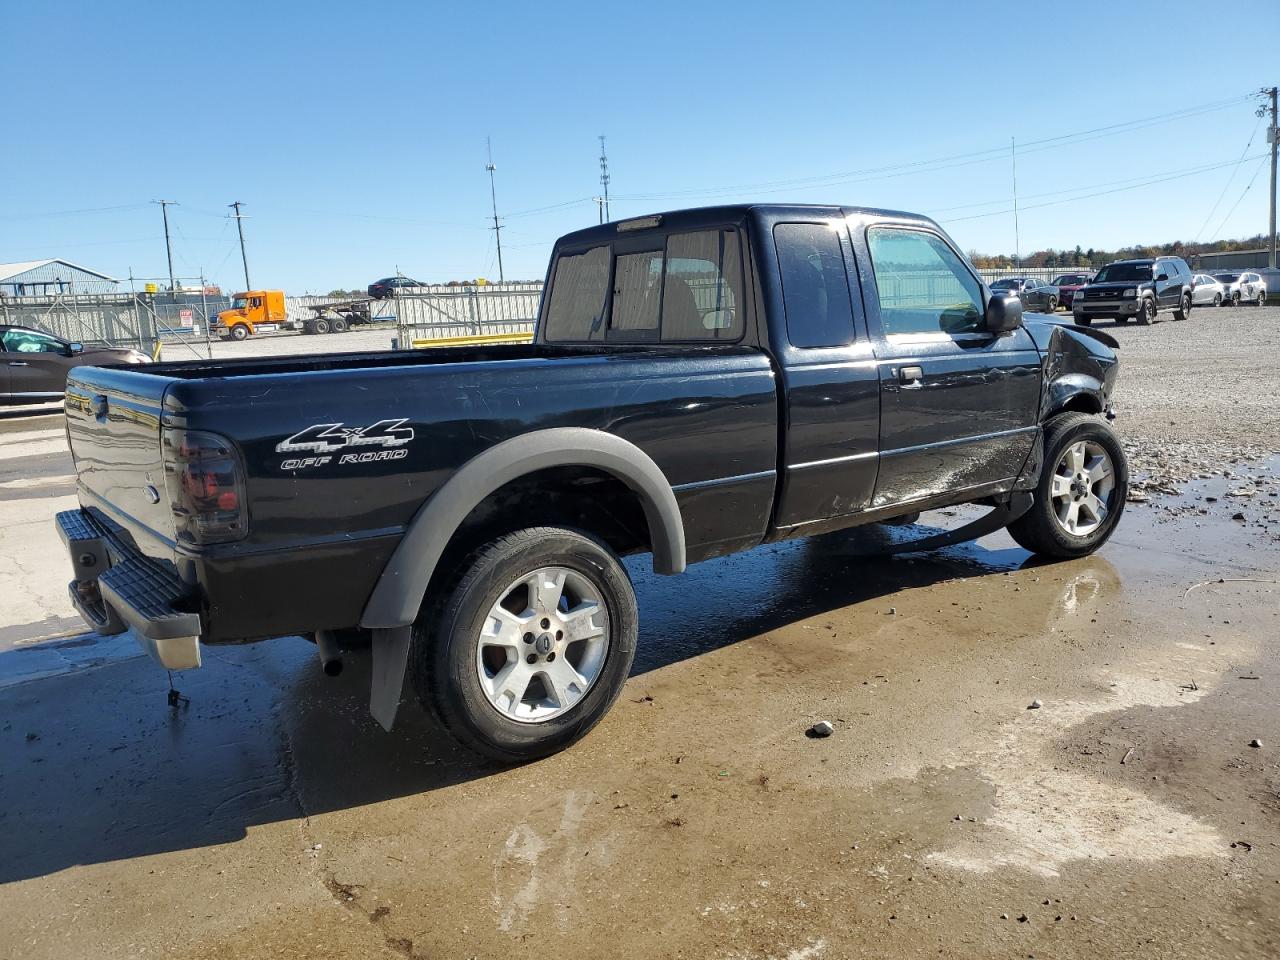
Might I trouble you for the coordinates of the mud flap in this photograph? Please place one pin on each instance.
(1000, 517)
(390, 658)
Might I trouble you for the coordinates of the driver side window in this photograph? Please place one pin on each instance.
(28, 341)
(923, 286)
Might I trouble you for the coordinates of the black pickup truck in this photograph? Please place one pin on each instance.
(701, 382)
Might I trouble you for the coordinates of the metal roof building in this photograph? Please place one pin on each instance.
(44, 278)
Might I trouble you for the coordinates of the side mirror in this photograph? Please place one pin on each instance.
(1163, 276)
(74, 348)
(1003, 314)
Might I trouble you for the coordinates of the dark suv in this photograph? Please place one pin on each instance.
(1136, 290)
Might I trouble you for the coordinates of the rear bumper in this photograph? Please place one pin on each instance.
(116, 589)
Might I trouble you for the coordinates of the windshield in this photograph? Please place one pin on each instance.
(1119, 272)
(1227, 277)
(1004, 284)
(1069, 278)
(238, 303)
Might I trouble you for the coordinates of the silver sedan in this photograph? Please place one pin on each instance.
(1205, 289)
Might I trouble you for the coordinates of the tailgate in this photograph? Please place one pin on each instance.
(113, 426)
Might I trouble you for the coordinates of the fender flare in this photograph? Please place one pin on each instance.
(398, 594)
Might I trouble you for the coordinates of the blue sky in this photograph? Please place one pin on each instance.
(355, 133)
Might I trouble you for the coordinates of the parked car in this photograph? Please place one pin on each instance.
(1068, 284)
(384, 288)
(1245, 287)
(1034, 294)
(34, 364)
(1206, 289)
(1136, 290)
(465, 508)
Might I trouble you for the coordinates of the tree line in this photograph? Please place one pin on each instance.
(1093, 257)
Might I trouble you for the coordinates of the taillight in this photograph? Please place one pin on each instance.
(205, 482)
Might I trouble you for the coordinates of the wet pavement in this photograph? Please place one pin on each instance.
(1126, 816)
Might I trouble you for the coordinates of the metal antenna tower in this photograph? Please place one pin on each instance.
(497, 227)
(604, 182)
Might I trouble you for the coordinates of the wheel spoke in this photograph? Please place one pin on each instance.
(503, 628)
(1061, 486)
(545, 590)
(1099, 469)
(580, 622)
(1095, 507)
(507, 687)
(1075, 457)
(565, 684)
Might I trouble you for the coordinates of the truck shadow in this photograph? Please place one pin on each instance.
(95, 766)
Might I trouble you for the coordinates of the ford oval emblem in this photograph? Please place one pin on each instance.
(100, 405)
(153, 494)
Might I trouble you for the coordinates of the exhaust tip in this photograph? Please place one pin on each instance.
(332, 667)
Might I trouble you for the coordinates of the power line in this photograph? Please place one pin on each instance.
(1101, 193)
(1246, 189)
(74, 213)
(1226, 186)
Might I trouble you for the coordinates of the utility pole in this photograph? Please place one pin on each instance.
(240, 227)
(1273, 138)
(1017, 241)
(168, 246)
(604, 182)
(497, 227)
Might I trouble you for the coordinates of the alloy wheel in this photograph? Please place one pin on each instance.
(1083, 483)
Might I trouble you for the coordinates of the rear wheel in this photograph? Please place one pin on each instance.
(531, 647)
(1183, 310)
(1051, 305)
(239, 332)
(1235, 298)
(1262, 298)
(320, 325)
(339, 325)
(1217, 299)
(1146, 311)
(1081, 492)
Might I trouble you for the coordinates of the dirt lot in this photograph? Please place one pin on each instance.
(1126, 816)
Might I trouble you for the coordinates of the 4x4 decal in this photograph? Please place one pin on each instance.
(329, 437)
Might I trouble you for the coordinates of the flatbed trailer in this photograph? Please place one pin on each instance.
(338, 317)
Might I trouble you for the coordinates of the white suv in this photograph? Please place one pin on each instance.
(1246, 287)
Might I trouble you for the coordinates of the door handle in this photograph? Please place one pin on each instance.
(911, 375)
(19, 363)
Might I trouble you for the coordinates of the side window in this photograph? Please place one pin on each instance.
(702, 291)
(575, 310)
(28, 341)
(923, 285)
(815, 288)
(1032, 284)
(637, 279)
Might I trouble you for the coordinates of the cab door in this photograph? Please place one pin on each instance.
(35, 363)
(959, 407)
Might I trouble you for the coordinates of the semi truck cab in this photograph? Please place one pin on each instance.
(254, 311)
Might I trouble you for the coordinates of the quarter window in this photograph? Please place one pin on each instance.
(923, 286)
(701, 291)
(815, 288)
(576, 308)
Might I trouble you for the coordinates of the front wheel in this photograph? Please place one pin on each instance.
(1147, 312)
(1081, 492)
(1217, 299)
(531, 647)
(239, 332)
(1235, 299)
(1262, 298)
(1051, 305)
(1183, 310)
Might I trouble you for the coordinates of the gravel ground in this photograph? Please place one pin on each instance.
(1199, 401)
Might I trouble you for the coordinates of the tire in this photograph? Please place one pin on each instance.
(239, 332)
(1051, 305)
(1235, 298)
(1146, 312)
(320, 325)
(1041, 529)
(1262, 298)
(1217, 299)
(1121, 319)
(1084, 321)
(1183, 310)
(448, 656)
(338, 325)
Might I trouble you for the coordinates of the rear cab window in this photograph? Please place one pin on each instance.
(682, 287)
